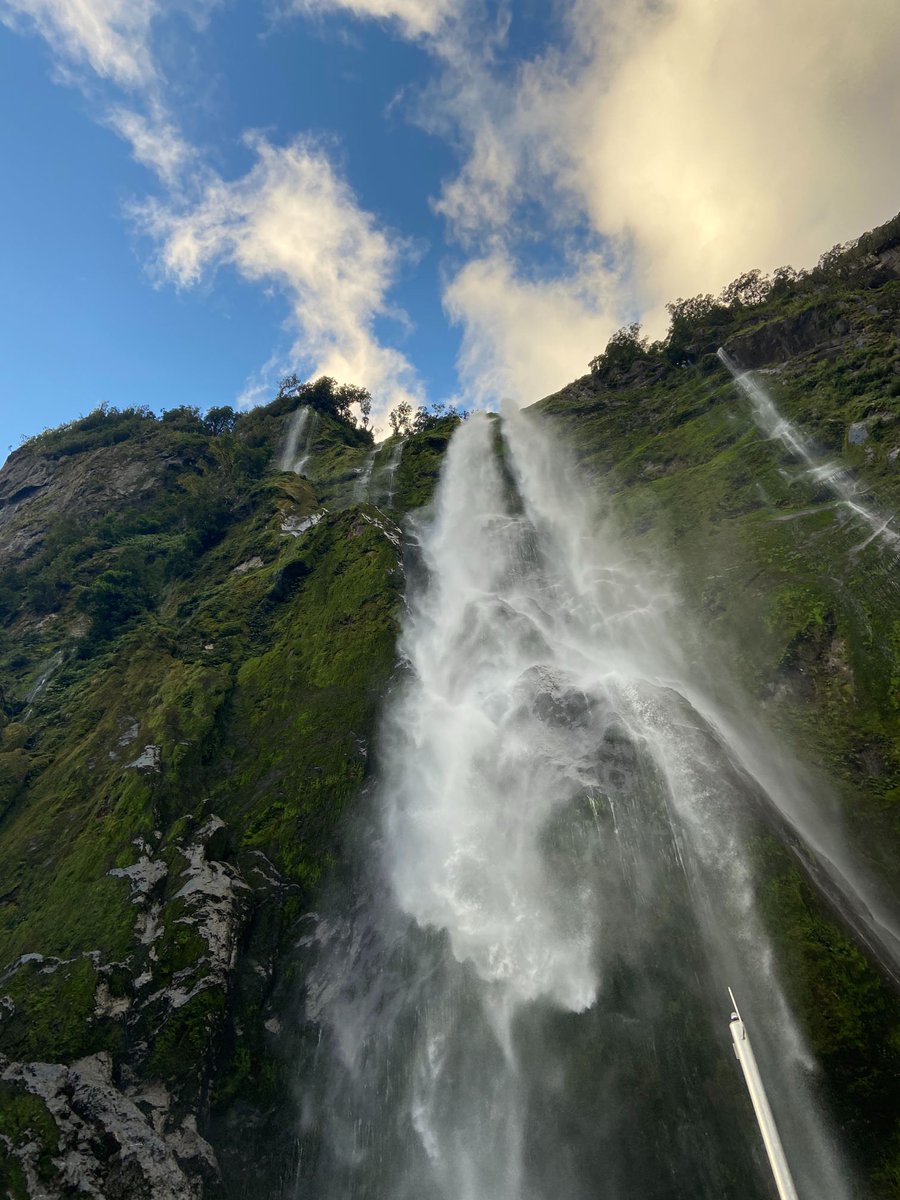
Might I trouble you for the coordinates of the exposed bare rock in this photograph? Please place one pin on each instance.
(37, 489)
(251, 564)
(148, 760)
(143, 876)
(779, 341)
(108, 1148)
(215, 896)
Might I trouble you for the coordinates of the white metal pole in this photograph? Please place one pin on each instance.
(772, 1142)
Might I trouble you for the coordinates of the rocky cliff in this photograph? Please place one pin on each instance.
(194, 646)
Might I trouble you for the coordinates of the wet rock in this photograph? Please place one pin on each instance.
(779, 341)
(148, 760)
(107, 1147)
(215, 896)
(858, 433)
(251, 564)
(143, 876)
(294, 526)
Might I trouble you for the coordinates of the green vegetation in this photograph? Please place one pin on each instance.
(794, 603)
(194, 646)
(188, 679)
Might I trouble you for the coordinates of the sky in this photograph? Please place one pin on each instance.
(443, 200)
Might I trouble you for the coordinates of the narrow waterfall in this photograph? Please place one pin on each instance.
(301, 430)
(835, 477)
(385, 482)
(363, 481)
(527, 999)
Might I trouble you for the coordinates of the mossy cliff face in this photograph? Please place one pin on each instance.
(193, 650)
(194, 646)
(794, 599)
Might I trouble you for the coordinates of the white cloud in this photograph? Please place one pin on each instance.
(110, 36)
(292, 222)
(735, 135)
(523, 339)
(417, 18)
(705, 137)
(155, 142)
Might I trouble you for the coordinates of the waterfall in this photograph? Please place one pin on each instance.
(302, 427)
(835, 477)
(528, 998)
(386, 479)
(361, 484)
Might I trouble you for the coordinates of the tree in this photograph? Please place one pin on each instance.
(185, 416)
(288, 386)
(624, 347)
(400, 418)
(220, 420)
(349, 394)
(365, 409)
(750, 288)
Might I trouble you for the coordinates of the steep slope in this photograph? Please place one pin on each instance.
(798, 595)
(195, 644)
(193, 652)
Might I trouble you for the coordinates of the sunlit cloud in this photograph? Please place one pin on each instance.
(292, 222)
(684, 142)
(704, 138)
(734, 135)
(523, 339)
(155, 141)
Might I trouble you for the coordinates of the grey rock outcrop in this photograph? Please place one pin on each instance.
(108, 1147)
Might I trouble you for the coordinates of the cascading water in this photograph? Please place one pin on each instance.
(385, 483)
(832, 475)
(362, 483)
(528, 998)
(301, 431)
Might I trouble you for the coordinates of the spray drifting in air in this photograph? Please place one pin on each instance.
(517, 1006)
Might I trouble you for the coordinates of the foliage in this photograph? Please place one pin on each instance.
(327, 396)
(625, 347)
(405, 421)
(260, 683)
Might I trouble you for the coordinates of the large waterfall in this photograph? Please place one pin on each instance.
(527, 998)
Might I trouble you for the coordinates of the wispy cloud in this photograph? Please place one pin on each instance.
(417, 18)
(524, 338)
(290, 222)
(294, 223)
(110, 37)
(696, 139)
(653, 150)
(156, 141)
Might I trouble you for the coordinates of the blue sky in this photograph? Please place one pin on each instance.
(440, 199)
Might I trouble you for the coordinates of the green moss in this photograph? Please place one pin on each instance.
(23, 1116)
(54, 1013)
(24, 1120)
(420, 464)
(181, 1051)
(852, 1020)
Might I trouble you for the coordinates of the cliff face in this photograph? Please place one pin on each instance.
(791, 567)
(193, 648)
